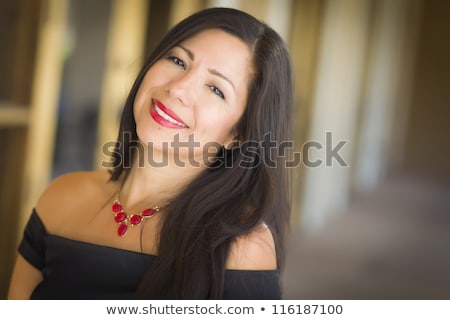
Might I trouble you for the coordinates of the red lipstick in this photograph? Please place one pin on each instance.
(164, 116)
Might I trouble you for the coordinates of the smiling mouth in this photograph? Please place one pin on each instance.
(159, 114)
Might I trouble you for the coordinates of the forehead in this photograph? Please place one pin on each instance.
(221, 50)
(218, 36)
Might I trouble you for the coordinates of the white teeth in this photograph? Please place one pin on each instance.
(167, 117)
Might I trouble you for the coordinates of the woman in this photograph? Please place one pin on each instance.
(196, 204)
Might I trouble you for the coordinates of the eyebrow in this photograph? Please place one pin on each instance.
(212, 71)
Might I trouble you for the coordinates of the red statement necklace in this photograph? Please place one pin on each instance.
(124, 219)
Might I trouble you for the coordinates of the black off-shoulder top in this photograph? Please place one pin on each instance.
(79, 270)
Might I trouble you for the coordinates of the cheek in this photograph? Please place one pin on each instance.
(151, 79)
(139, 100)
(218, 127)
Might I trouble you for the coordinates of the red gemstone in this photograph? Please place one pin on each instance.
(116, 207)
(135, 219)
(122, 229)
(120, 217)
(148, 212)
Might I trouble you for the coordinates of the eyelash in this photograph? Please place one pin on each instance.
(177, 61)
(181, 64)
(217, 91)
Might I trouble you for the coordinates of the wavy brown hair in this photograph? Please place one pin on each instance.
(232, 198)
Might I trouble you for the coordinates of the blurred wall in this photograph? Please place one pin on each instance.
(373, 73)
(335, 106)
(81, 84)
(427, 146)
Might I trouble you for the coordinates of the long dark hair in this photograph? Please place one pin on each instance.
(225, 201)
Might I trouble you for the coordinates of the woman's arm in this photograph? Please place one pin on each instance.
(24, 279)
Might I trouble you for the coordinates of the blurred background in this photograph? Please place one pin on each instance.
(371, 211)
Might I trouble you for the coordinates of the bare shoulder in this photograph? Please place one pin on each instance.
(67, 194)
(254, 251)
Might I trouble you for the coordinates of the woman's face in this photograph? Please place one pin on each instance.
(193, 96)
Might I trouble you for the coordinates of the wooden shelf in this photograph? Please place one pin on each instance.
(13, 115)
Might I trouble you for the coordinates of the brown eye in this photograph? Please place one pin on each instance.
(177, 61)
(217, 91)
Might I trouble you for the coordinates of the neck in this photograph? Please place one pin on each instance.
(155, 185)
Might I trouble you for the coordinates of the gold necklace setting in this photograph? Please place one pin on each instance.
(126, 220)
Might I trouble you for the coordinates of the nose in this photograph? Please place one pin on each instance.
(182, 88)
